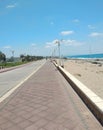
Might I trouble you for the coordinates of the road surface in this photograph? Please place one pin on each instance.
(12, 78)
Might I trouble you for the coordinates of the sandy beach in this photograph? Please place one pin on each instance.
(90, 73)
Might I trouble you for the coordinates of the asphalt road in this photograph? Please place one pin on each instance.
(12, 78)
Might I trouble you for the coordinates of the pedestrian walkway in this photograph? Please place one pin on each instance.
(46, 102)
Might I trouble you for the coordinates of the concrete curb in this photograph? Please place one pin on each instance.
(93, 102)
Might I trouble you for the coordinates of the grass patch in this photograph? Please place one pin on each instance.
(11, 64)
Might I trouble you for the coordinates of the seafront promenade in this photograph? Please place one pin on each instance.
(46, 101)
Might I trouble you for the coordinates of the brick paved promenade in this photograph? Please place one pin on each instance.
(46, 102)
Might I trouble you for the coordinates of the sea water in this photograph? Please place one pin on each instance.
(87, 56)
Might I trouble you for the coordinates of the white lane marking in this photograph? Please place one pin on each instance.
(17, 86)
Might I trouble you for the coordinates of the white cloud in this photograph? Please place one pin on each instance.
(51, 44)
(33, 44)
(64, 33)
(69, 42)
(7, 47)
(11, 6)
(64, 42)
(76, 21)
(56, 40)
(72, 43)
(95, 34)
(91, 27)
(48, 45)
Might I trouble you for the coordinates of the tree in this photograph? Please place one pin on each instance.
(2, 57)
(29, 58)
(22, 57)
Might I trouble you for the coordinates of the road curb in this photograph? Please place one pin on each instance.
(93, 102)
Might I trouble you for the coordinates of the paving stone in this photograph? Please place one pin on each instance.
(32, 127)
(15, 128)
(18, 119)
(24, 123)
(6, 125)
(34, 118)
(41, 123)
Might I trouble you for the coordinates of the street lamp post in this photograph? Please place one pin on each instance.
(58, 42)
(62, 62)
(59, 51)
(12, 51)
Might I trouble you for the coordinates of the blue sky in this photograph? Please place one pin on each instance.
(33, 26)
